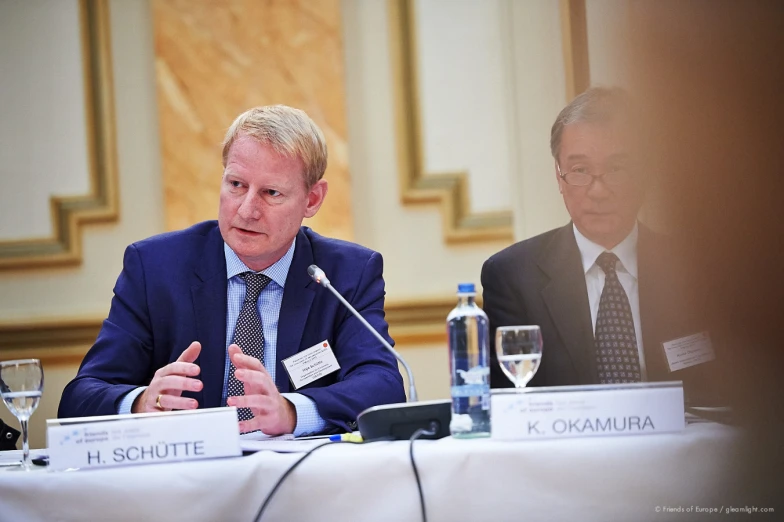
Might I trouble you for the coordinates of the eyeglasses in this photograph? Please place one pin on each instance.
(582, 176)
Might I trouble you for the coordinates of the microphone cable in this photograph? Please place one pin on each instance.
(292, 468)
(416, 435)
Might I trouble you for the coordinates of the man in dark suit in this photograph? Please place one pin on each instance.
(185, 300)
(604, 289)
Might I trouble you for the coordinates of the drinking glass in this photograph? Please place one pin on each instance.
(519, 350)
(21, 385)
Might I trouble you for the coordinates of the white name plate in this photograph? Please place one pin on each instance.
(143, 438)
(587, 411)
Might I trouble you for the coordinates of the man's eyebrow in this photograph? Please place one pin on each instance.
(618, 156)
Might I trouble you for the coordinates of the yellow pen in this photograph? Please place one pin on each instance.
(346, 437)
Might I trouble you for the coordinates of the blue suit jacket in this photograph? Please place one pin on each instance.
(172, 291)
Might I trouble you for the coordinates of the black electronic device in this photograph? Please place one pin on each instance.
(400, 421)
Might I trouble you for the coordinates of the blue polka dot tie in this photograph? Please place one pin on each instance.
(617, 358)
(248, 334)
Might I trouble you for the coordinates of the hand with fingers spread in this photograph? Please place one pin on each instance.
(165, 390)
(272, 413)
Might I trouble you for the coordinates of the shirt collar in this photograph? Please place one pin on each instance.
(626, 250)
(278, 271)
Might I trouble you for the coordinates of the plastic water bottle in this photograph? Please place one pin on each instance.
(469, 361)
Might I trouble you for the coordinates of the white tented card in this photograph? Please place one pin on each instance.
(587, 411)
(689, 351)
(142, 438)
(311, 364)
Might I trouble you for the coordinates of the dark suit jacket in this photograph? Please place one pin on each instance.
(172, 291)
(541, 281)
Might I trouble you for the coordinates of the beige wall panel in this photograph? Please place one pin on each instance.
(421, 270)
(79, 295)
(430, 364)
(87, 290)
(540, 86)
(214, 60)
(50, 30)
(608, 56)
(417, 261)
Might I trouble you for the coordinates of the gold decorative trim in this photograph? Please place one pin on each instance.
(101, 204)
(420, 321)
(411, 321)
(448, 189)
(574, 34)
(64, 340)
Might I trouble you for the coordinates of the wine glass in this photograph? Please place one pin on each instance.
(21, 385)
(519, 350)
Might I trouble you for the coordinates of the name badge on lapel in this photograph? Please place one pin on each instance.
(689, 351)
(311, 364)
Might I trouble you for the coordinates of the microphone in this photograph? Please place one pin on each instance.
(398, 421)
(320, 277)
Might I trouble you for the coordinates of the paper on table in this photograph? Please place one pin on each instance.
(12, 456)
(282, 445)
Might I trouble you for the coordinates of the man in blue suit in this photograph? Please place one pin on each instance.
(184, 298)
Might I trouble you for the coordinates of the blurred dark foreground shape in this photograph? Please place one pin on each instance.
(710, 74)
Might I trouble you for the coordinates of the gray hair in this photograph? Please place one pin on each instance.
(596, 105)
(289, 131)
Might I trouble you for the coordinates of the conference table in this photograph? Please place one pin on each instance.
(644, 477)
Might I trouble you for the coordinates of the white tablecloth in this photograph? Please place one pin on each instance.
(601, 478)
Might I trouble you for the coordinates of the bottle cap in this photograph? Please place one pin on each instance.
(466, 288)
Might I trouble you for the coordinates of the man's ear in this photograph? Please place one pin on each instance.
(557, 176)
(316, 196)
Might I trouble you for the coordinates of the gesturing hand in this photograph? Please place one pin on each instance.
(272, 413)
(168, 383)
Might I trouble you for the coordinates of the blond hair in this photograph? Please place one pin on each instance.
(289, 131)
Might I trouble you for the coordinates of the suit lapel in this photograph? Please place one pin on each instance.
(209, 303)
(566, 298)
(297, 298)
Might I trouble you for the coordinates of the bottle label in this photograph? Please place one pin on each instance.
(476, 375)
(471, 390)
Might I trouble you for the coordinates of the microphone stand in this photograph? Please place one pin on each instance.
(395, 421)
(412, 393)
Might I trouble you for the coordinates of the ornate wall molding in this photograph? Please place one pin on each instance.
(418, 321)
(60, 340)
(449, 190)
(101, 204)
(574, 34)
(67, 339)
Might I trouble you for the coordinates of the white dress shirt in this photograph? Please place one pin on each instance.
(626, 268)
